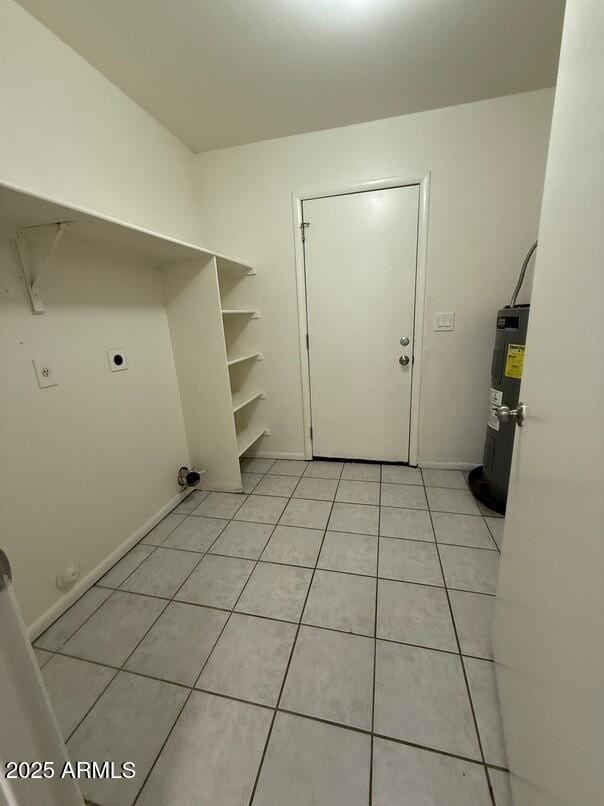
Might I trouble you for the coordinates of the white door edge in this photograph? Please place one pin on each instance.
(423, 184)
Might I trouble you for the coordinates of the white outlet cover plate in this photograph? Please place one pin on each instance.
(45, 372)
(113, 357)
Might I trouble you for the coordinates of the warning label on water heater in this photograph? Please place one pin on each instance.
(514, 361)
(495, 398)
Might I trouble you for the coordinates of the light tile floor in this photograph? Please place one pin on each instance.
(323, 638)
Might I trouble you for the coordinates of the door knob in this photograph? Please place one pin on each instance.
(403, 360)
(505, 414)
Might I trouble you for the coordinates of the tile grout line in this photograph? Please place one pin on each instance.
(278, 621)
(312, 717)
(484, 518)
(498, 548)
(291, 654)
(220, 634)
(355, 503)
(477, 514)
(395, 740)
(465, 676)
(375, 618)
(79, 627)
(304, 567)
(104, 689)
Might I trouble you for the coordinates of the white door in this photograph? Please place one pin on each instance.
(549, 631)
(360, 259)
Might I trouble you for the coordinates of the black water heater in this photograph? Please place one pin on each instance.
(489, 483)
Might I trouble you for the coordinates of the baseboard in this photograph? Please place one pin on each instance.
(277, 455)
(448, 465)
(426, 464)
(53, 613)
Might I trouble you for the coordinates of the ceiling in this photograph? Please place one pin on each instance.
(225, 72)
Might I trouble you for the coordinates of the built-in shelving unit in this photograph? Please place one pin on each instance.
(242, 339)
(211, 315)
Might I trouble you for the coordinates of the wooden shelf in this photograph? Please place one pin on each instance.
(233, 267)
(240, 359)
(247, 437)
(241, 312)
(100, 233)
(243, 399)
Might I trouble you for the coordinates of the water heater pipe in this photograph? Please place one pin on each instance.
(522, 273)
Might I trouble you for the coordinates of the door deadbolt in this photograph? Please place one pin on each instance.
(404, 341)
(403, 360)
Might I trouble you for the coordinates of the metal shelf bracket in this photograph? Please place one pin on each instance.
(33, 271)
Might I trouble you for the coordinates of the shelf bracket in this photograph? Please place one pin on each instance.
(33, 271)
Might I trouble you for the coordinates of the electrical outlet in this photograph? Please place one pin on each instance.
(45, 372)
(117, 360)
(444, 321)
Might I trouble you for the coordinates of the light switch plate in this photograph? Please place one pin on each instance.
(444, 321)
(45, 372)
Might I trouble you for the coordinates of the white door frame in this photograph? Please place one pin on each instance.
(420, 296)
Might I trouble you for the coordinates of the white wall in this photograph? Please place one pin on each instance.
(69, 134)
(549, 645)
(87, 463)
(487, 162)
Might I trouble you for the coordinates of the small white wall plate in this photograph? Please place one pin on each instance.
(117, 360)
(45, 372)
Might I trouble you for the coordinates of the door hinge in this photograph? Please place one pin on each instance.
(307, 342)
(303, 226)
